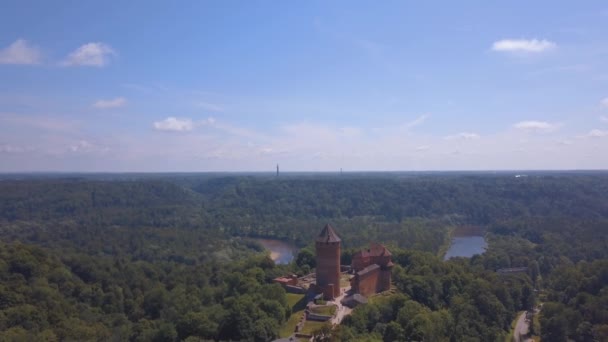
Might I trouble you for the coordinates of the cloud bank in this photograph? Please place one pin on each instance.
(597, 133)
(214, 145)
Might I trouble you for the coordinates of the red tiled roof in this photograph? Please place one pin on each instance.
(379, 250)
(375, 249)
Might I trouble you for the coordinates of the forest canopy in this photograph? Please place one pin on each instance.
(167, 257)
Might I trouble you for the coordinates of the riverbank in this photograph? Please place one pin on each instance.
(281, 252)
(465, 241)
(447, 242)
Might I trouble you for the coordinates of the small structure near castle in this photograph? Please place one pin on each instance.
(327, 247)
(372, 268)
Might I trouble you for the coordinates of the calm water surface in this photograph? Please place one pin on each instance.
(280, 251)
(466, 246)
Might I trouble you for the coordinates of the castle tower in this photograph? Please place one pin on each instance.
(327, 247)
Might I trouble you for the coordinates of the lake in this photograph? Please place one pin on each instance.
(280, 251)
(466, 242)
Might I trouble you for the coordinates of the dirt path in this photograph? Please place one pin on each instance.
(341, 310)
(521, 329)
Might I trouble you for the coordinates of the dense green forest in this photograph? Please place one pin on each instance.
(166, 257)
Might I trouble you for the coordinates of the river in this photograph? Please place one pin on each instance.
(280, 251)
(466, 242)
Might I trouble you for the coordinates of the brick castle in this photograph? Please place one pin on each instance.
(372, 267)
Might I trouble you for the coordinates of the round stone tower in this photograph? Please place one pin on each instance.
(327, 247)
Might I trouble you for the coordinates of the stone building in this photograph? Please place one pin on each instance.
(372, 270)
(327, 246)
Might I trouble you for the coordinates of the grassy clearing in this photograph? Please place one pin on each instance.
(312, 326)
(288, 328)
(327, 310)
(293, 299)
(298, 304)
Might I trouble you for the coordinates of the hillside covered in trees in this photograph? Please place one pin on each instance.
(166, 257)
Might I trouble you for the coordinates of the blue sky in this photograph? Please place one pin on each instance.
(313, 86)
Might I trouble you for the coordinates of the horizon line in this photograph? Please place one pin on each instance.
(307, 171)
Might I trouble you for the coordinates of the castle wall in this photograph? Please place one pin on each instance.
(384, 283)
(367, 283)
(372, 281)
(295, 289)
(359, 263)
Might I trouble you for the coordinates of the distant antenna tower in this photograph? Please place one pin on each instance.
(277, 170)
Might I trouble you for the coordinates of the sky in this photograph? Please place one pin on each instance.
(126, 86)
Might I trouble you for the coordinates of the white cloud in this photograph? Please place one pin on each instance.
(423, 148)
(174, 124)
(463, 136)
(536, 126)
(112, 103)
(604, 102)
(418, 121)
(604, 119)
(84, 146)
(90, 54)
(523, 45)
(597, 133)
(20, 52)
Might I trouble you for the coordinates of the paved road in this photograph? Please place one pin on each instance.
(521, 329)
